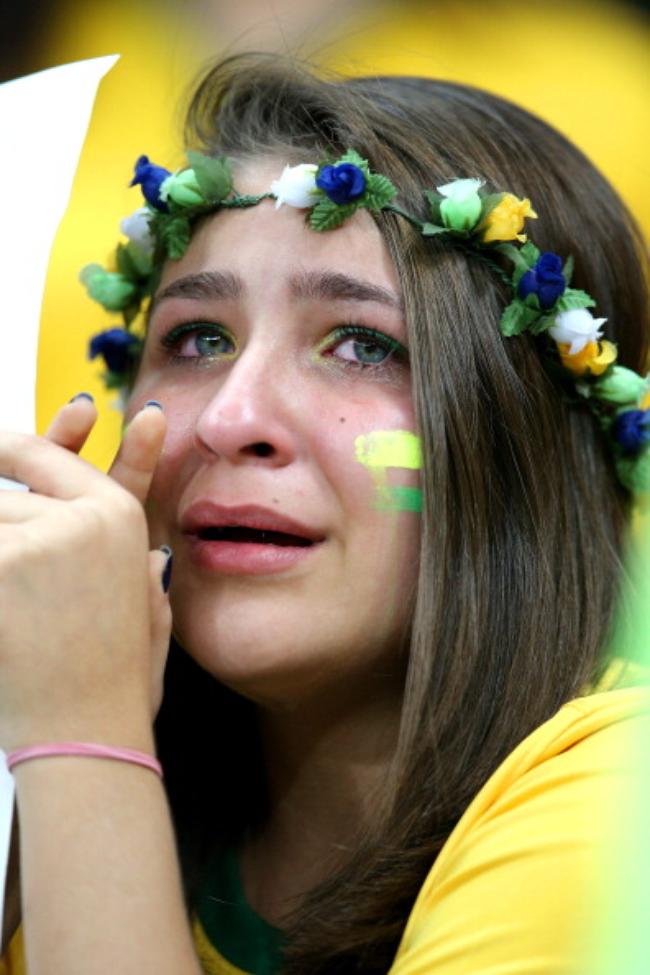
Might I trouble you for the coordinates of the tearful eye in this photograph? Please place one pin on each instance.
(367, 352)
(360, 347)
(198, 341)
(206, 343)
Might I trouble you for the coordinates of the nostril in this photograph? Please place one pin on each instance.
(261, 449)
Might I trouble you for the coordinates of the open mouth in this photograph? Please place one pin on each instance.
(257, 536)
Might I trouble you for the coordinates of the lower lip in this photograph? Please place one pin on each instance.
(247, 558)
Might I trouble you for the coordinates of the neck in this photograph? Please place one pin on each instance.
(325, 768)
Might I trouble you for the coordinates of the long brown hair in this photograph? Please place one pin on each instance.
(523, 519)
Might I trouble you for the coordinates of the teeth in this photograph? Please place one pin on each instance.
(235, 533)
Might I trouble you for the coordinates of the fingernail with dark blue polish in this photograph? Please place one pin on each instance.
(167, 571)
(152, 402)
(82, 396)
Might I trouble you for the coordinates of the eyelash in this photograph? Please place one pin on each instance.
(394, 349)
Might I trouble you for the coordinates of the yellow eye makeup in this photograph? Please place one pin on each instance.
(211, 341)
(360, 347)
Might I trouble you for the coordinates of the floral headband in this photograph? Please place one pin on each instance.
(481, 224)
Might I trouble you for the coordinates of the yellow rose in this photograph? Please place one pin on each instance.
(506, 221)
(595, 357)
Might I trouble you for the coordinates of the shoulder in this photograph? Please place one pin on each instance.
(525, 875)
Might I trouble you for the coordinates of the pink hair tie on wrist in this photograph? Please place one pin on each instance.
(85, 749)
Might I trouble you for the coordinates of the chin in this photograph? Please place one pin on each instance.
(253, 662)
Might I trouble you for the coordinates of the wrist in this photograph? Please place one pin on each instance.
(66, 779)
(77, 749)
(122, 731)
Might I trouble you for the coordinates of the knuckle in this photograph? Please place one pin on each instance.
(129, 507)
(110, 513)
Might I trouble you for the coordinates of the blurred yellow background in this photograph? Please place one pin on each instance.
(581, 66)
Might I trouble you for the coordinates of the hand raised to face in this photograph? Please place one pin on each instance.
(84, 621)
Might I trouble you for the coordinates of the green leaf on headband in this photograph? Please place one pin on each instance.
(141, 260)
(130, 313)
(523, 259)
(567, 270)
(212, 175)
(530, 254)
(132, 262)
(517, 258)
(541, 324)
(379, 192)
(516, 318)
(532, 301)
(434, 200)
(124, 263)
(573, 298)
(327, 215)
(175, 233)
(634, 472)
(520, 269)
(431, 229)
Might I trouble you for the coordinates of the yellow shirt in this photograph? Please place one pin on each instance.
(522, 880)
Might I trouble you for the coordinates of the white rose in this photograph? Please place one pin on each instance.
(576, 328)
(136, 228)
(296, 186)
(460, 189)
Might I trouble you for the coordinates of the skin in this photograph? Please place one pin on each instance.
(77, 669)
(243, 629)
(316, 646)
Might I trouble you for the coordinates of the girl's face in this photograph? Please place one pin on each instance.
(273, 349)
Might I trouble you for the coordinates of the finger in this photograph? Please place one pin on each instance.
(18, 506)
(139, 451)
(72, 424)
(47, 468)
(160, 626)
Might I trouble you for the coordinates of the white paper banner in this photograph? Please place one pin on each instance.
(43, 123)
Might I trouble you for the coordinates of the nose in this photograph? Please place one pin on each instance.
(250, 416)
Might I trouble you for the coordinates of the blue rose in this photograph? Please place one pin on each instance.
(342, 183)
(150, 177)
(545, 280)
(632, 430)
(114, 346)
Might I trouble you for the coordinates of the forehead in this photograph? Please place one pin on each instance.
(265, 244)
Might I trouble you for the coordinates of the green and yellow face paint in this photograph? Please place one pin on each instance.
(383, 449)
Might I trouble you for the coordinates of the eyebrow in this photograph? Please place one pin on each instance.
(305, 286)
(207, 284)
(332, 286)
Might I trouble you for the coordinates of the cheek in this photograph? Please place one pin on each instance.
(372, 453)
(181, 423)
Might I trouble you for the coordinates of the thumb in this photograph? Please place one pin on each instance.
(160, 564)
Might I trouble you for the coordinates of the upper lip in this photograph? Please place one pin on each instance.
(204, 513)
